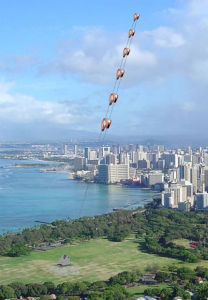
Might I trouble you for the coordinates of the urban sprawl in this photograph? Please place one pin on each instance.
(180, 175)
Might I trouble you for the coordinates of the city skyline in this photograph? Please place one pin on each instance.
(57, 70)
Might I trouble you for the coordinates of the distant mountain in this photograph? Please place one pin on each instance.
(40, 132)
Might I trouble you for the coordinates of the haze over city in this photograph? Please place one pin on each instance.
(57, 69)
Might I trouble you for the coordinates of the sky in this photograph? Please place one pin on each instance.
(58, 61)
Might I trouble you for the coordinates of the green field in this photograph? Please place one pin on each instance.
(139, 290)
(182, 242)
(96, 259)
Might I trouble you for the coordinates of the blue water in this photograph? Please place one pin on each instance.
(27, 195)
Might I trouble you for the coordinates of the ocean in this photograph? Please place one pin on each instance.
(28, 195)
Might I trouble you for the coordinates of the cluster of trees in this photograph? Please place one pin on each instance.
(164, 226)
(167, 293)
(110, 289)
(121, 222)
(119, 234)
(18, 250)
(181, 281)
(171, 250)
(158, 228)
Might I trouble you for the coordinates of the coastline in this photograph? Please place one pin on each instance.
(27, 194)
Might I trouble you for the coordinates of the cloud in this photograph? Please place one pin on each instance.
(95, 56)
(165, 37)
(18, 63)
(175, 54)
(25, 109)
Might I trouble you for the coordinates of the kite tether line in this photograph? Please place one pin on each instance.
(106, 121)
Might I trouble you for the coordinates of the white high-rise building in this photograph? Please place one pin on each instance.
(173, 175)
(155, 177)
(92, 155)
(105, 150)
(123, 158)
(65, 149)
(141, 155)
(187, 172)
(75, 150)
(194, 178)
(112, 173)
(168, 199)
(122, 172)
(179, 192)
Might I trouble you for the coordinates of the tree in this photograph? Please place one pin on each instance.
(36, 290)
(119, 234)
(161, 276)
(202, 292)
(50, 287)
(185, 273)
(20, 289)
(18, 250)
(6, 292)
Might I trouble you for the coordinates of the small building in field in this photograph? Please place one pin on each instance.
(64, 261)
(148, 278)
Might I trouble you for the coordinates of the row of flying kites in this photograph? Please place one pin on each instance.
(106, 122)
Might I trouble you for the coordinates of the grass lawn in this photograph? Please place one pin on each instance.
(96, 259)
(182, 242)
(139, 290)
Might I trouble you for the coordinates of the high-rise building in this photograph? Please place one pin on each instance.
(103, 176)
(188, 158)
(65, 149)
(79, 163)
(123, 158)
(155, 178)
(188, 189)
(167, 199)
(161, 164)
(202, 201)
(75, 150)
(86, 152)
(122, 172)
(173, 175)
(187, 172)
(171, 160)
(206, 177)
(194, 178)
(104, 151)
(112, 173)
(189, 150)
(92, 155)
(110, 159)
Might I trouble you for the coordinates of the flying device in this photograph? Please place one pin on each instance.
(106, 121)
(113, 97)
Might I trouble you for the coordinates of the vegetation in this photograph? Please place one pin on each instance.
(96, 259)
(153, 233)
(18, 250)
(159, 228)
(181, 282)
(119, 234)
(167, 225)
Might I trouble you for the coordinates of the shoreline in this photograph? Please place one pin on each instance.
(58, 197)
